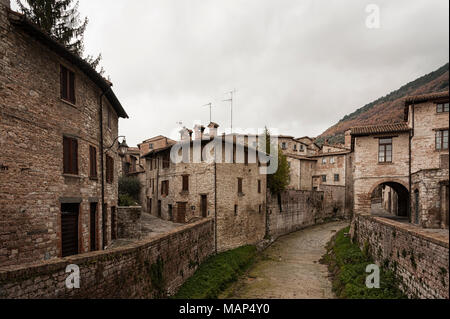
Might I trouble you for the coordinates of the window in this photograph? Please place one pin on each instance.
(185, 183)
(166, 160)
(150, 146)
(67, 79)
(385, 150)
(283, 145)
(302, 147)
(92, 162)
(324, 160)
(70, 150)
(442, 107)
(165, 188)
(295, 147)
(442, 140)
(336, 177)
(235, 210)
(332, 160)
(260, 209)
(259, 186)
(239, 185)
(324, 178)
(109, 169)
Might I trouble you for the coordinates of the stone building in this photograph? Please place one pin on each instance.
(428, 117)
(232, 190)
(410, 159)
(59, 142)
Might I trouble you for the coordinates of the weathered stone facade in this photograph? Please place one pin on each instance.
(185, 192)
(33, 122)
(126, 272)
(419, 258)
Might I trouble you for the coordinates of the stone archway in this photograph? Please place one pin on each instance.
(395, 198)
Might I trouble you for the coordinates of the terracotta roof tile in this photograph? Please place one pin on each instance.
(426, 97)
(376, 129)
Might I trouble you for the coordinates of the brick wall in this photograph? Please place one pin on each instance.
(124, 272)
(419, 258)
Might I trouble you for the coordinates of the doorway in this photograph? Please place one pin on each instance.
(181, 213)
(93, 226)
(69, 229)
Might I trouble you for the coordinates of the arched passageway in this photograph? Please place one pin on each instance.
(390, 199)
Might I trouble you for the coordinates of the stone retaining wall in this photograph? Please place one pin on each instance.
(146, 269)
(420, 258)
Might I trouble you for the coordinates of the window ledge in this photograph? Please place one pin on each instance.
(68, 102)
(71, 175)
(95, 179)
(386, 163)
(184, 193)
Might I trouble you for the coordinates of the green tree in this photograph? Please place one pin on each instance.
(61, 20)
(278, 181)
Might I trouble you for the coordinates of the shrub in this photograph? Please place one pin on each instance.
(126, 200)
(129, 185)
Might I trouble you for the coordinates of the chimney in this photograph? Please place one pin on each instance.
(348, 139)
(198, 130)
(213, 129)
(186, 134)
(6, 3)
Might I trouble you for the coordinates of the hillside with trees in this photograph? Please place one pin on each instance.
(388, 109)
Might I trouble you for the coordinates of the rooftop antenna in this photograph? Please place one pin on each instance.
(231, 99)
(210, 112)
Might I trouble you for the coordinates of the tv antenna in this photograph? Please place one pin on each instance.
(231, 99)
(210, 111)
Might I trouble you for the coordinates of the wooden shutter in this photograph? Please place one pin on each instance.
(69, 229)
(74, 156)
(71, 87)
(239, 185)
(63, 83)
(186, 183)
(66, 152)
(92, 161)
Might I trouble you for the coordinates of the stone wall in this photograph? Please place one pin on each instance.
(127, 272)
(418, 257)
(128, 225)
(294, 210)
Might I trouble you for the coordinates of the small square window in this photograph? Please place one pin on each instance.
(324, 178)
(324, 160)
(336, 177)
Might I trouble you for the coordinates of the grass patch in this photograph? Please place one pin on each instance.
(347, 265)
(217, 273)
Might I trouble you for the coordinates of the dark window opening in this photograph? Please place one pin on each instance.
(336, 177)
(235, 210)
(93, 226)
(442, 107)
(185, 183)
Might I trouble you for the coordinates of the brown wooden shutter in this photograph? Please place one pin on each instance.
(63, 83)
(186, 183)
(66, 155)
(71, 87)
(93, 161)
(239, 185)
(74, 156)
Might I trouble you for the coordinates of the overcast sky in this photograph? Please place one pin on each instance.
(297, 65)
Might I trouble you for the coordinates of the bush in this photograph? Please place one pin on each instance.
(216, 273)
(130, 186)
(126, 200)
(347, 264)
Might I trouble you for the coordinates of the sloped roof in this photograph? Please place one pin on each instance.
(426, 97)
(34, 31)
(377, 129)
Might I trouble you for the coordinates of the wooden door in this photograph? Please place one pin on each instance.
(113, 223)
(69, 229)
(181, 213)
(104, 225)
(93, 226)
(204, 206)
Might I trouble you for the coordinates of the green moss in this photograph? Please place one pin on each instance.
(156, 272)
(347, 264)
(217, 273)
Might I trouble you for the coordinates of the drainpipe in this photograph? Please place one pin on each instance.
(411, 135)
(101, 156)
